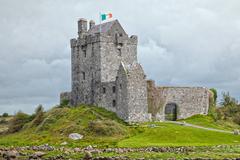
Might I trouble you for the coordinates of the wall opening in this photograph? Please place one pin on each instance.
(85, 53)
(83, 74)
(113, 89)
(104, 90)
(114, 103)
(171, 112)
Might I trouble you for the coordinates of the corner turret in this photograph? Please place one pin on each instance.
(82, 26)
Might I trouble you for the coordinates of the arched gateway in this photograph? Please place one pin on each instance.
(171, 112)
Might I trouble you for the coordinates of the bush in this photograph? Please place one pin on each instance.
(64, 102)
(228, 100)
(18, 121)
(5, 115)
(212, 104)
(3, 121)
(214, 92)
(39, 115)
(106, 128)
(236, 118)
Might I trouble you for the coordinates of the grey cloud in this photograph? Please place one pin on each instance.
(181, 42)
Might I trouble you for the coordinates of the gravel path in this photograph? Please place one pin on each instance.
(200, 127)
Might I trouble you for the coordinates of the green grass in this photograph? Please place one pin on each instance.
(166, 134)
(4, 122)
(104, 129)
(208, 121)
(60, 122)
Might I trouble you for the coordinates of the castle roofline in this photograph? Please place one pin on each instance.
(105, 27)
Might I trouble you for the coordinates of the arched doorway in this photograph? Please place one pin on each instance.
(171, 112)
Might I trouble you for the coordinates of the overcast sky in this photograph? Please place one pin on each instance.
(181, 43)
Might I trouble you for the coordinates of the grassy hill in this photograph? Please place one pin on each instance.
(96, 124)
(208, 121)
(104, 128)
(4, 122)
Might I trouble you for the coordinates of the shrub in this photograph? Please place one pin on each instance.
(236, 118)
(106, 128)
(212, 104)
(39, 115)
(214, 91)
(228, 100)
(18, 121)
(64, 102)
(3, 121)
(5, 115)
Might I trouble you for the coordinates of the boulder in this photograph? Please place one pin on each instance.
(236, 132)
(63, 143)
(88, 156)
(75, 136)
(10, 154)
(37, 155)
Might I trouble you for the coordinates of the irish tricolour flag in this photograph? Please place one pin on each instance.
(105, 16)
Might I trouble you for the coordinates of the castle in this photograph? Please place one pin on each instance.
(106, 73)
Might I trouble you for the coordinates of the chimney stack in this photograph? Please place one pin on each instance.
(91, 24)
(82, 26)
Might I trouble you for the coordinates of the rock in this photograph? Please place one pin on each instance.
(77, 150)
(89, 147)
(88, 156)
(236, 132)
(10, 154)
(63, 143)
(75, 136)
(152, 125)
(39, 154)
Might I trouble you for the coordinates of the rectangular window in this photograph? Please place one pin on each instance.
(92, 49)
(85, 53)
(114, 103)
(104, 90)
(114, 89)
(83, 74)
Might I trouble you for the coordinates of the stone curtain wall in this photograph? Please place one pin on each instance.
(65, 96)
(189, 100)
(156, 100)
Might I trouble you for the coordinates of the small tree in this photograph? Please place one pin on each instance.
(18, 121)
(64, 102)
(228, 100)
(5, 115)
(214, 91)
(39, 115)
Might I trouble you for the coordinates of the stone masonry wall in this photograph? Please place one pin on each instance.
(122, 109)
(137, 94)
(65, 96)
(189, 100)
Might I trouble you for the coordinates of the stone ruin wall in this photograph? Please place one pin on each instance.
(65, 96)
(189, 100)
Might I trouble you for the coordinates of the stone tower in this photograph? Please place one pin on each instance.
(105, 71)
